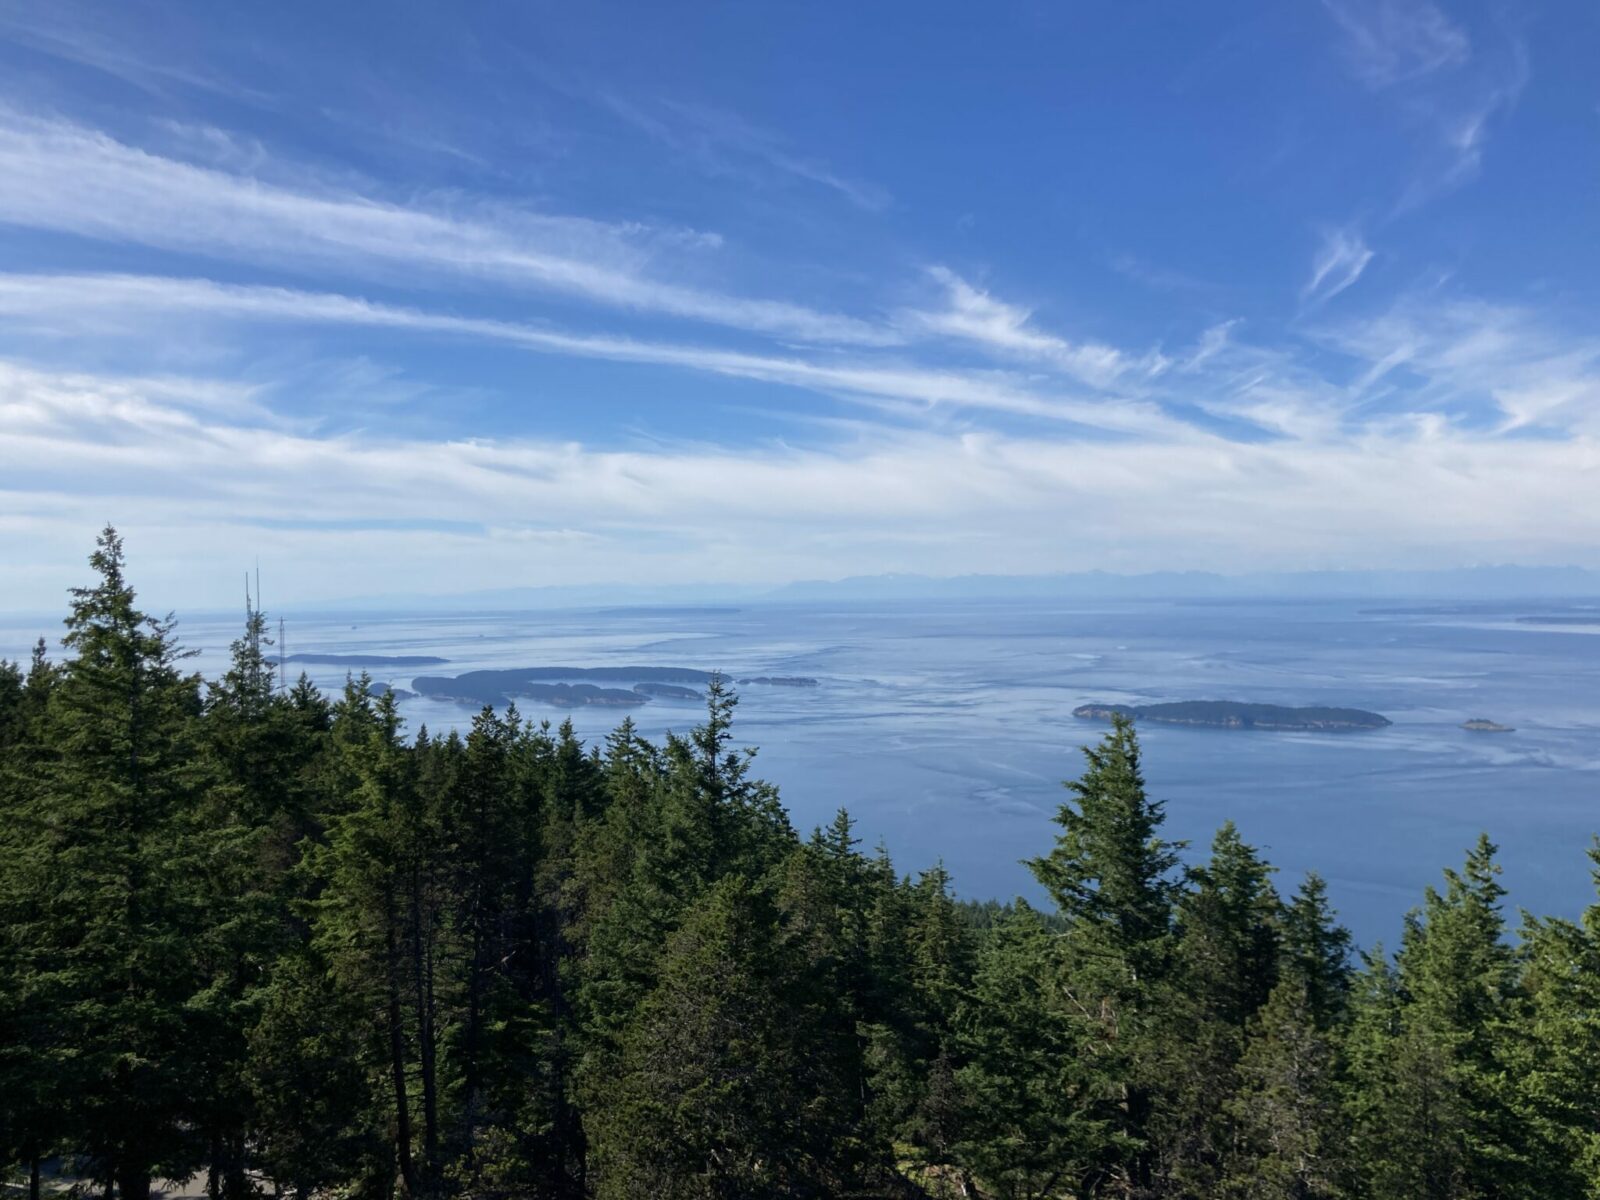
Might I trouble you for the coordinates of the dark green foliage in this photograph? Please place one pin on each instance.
(715, 1088)
(1316, 952)
(278, 943)
(108, 871)
(1225, 964)
(1111, 874)
(304, 1073)
(33, 1088)
(1113, 878)
(1041, 1111)
(1554, 1060)
(1290, 1137)
(1434, 1104)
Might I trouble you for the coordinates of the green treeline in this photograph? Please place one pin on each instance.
(262, 937)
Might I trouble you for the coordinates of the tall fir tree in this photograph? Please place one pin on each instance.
(1316, 951)
(32, 1084)
(1554, 1063)
(1041, 1116)
(716, 1092)
(1225, 965)
(112, 849)
(1430, 1045)
(1113, 879)
(370, 877)
(1290, 1138)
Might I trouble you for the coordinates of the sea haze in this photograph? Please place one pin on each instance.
(945, 725)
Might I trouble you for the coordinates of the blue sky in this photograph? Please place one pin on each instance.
(441, 297)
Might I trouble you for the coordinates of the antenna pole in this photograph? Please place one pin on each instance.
(252, 635)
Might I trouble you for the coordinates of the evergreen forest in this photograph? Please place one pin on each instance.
(272, 942)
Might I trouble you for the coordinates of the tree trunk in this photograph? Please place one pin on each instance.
(33, 1175)
(470, 1065)
(214, 1170)
(133, 1184)
(397, 1055)
(235, 1178)
(424, 1001)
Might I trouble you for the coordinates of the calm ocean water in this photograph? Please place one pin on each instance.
(946, 727)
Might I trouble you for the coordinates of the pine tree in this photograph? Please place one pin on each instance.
(32, 1091)
(702, 818)
(305, 1073)
(1552, 1061)
(254, 756)
(1036, 1121)
(1289, 1129)
(821, 902)
(1111, 875)
(895, 1036)
(1430, 1046)
(368, 925)
(1316, 951)
(1402, 1104)
(111, 847)
(714, 1084)
(520, 799)
(1110, 872)
(1225, 966)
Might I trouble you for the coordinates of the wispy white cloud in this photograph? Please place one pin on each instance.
(974, 315)
(197, 141)
(1388, 42)
(107, 304)
(1525, 371)
(1447, 89)
(1213, 341)
(1459, 123)
(70, 32)
(1494, 366)
(1339, 262)
(198, 489)
(60, 176)
(724, 143)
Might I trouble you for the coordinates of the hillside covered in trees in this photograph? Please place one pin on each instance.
(269, 939)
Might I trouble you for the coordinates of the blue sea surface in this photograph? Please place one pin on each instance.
(946, 727)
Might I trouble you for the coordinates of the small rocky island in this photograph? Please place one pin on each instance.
(1484, 725)
(1231, 714)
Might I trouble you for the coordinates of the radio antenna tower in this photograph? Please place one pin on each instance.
(252, 631)
(254, 625)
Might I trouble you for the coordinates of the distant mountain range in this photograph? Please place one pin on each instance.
(1485, 583)
(1464, 583)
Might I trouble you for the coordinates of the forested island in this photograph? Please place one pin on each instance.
(268, 939)
(571, 687)
(565, 686)
(367, 660)
(1230, 714)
